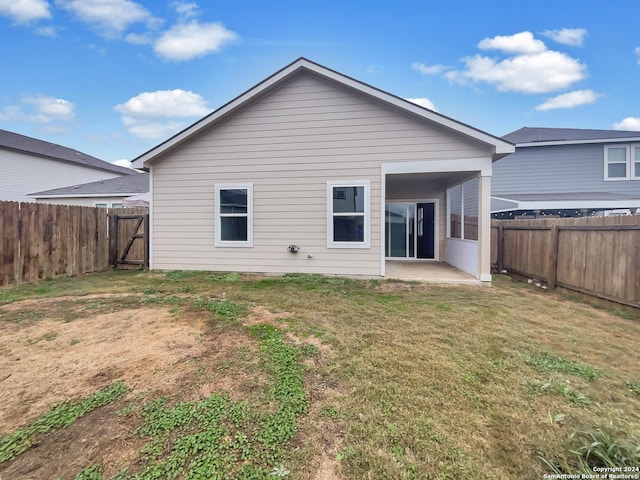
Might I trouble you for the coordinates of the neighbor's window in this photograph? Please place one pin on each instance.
(622, 162)
(117, 205)
(101, 205)
(348, 214)
(234, 215)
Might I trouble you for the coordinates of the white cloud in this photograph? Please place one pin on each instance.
(122, 163)
(629, 123)
(542, 72)
(46, 31)
(519, 43)
(40, 109)
(187, 41)
(428, 69)
(164, 104)
(138, 38)
(25, 11)
(423, 102)
(155, 114)
(185, 9)
(109, 17)
(142, 128)
(567, 36)
(569, 100)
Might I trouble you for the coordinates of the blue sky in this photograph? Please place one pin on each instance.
(113, 78)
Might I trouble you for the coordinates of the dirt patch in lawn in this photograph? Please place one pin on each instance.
(186, 357)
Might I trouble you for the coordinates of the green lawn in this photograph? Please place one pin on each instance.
(327, 378)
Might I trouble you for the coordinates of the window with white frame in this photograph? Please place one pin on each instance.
(463, 211)
(348, 214)
(234, 215)
(622, 162)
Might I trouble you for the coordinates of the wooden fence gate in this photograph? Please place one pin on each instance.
(128, 239)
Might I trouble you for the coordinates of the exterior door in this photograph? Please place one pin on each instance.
(425, 230)
(410, 229)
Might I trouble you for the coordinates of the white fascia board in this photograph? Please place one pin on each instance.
(501, 146)
(571, 204)
(579, 142)
(86, 195)
(481, 164)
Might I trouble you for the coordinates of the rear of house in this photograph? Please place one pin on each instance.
(312, 171)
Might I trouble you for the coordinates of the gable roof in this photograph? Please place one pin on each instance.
(127, 185)
(33, 146)
(528, 136)
(502, 146)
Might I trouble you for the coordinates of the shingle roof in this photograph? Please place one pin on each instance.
(129, 184)
(22, 143)
(534, 135)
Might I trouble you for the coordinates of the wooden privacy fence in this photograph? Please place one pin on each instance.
(598, 256)
(39, 241)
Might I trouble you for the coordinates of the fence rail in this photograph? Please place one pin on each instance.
(597, 256)
(39, 240)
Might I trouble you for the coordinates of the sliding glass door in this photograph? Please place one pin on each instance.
(409, 230)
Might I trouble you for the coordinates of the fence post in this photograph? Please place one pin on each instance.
(500, 247)
(552, 264)
(146, 240)
(113, 240)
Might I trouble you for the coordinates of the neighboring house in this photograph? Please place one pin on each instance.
(105, 193)
(313, 171)
(567, 172)
(30, 165)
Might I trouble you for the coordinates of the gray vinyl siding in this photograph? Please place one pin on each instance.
(554, 169)
(23, 174)
(288, 144)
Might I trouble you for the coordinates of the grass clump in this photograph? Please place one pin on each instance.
(595, 448)
(220, 309)
(550, 362)
(61, 416)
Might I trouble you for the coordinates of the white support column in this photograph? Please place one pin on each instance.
(484, 229)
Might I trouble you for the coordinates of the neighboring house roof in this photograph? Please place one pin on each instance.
(502, 147)
(23, 144)
(529, 137)
(121, 186)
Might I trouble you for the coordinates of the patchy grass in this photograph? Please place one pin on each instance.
(360, 379)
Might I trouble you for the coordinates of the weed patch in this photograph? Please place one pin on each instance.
(60, 417)
(561, 388)
(549, 362)
(595, 448)
(222, 438)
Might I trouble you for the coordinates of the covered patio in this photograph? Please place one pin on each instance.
(429, 272)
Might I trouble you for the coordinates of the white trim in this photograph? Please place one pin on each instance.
(151, 217)
(366, 184)
(231, 186)
(566, 204)
(501, 146)
(629, 162)
(86, 195)
(483, 165)
(577, 142)
(436, 229)
(383, 203)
